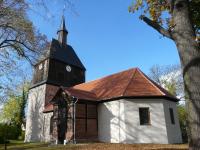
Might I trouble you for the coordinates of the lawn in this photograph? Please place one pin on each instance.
(15, 145)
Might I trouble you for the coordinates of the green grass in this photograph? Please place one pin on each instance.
(19, 145)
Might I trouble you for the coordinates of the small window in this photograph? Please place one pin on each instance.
(51, 125)
(144, 116)
(172, 115)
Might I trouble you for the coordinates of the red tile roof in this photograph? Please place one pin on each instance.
(86, 95)
(129, 83)
(48, 108)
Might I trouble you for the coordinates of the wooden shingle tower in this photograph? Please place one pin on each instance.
(60, 67)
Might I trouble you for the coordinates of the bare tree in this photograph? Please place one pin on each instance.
(17, 32)
(18, 40)
(169, 77)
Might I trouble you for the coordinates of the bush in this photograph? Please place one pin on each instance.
(1, 139)
(12, 132)
(2, 133)
(22, 136)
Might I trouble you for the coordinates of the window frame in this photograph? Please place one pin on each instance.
(171, 113)
(140, 115)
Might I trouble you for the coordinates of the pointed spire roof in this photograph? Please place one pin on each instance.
(62, 32)
(60, 50)
(62, 25)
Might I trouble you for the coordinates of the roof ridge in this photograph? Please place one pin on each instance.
(129, 82)
(150, 81)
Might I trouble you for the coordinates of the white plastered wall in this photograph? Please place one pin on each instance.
(118, 122)
(47, 119)
(35, 116)
(173, 130)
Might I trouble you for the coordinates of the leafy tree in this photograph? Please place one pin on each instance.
(23, 102)
(183, 120)
(22, 108)
(11, 110)
(179, 21)
(14, 108)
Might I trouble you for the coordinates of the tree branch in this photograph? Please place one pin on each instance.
(17, 41)
(157, 27)
(21, 53)
(3, 46)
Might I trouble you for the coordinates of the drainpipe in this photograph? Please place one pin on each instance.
(74, 119)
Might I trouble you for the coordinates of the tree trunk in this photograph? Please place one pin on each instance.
(184, 36)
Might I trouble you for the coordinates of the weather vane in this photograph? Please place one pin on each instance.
(64, 8)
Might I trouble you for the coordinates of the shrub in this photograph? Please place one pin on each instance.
(22, 136)
(12, 132)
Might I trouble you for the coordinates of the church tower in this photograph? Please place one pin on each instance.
(60, 67)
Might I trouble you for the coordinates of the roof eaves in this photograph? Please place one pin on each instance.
(48, 111)
(139, 97)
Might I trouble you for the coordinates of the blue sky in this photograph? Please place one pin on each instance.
(108, 38)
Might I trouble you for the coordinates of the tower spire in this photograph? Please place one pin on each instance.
(62, 32)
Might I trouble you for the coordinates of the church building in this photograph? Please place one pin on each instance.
(125, 107)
